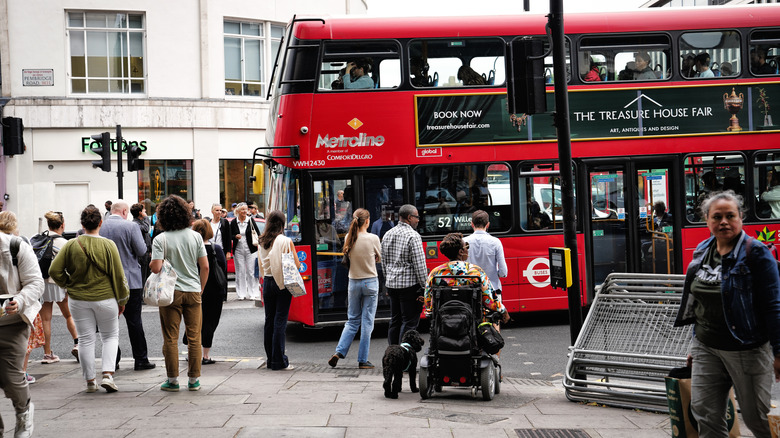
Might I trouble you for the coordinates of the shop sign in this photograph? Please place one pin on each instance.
(87, 144)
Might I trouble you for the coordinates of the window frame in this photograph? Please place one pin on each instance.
(375, 74)
(751, 44)
(691, 216)
(522, 178)
(267, 40)
(604, 44)
(127, 79)
(490, 209)
(407, 68)
(739, 48)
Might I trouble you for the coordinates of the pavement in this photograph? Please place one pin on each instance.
(240, 397)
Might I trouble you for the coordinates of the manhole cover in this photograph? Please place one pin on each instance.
(551, 433)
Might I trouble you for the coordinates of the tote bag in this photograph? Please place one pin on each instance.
(293, 281)
(159, 287)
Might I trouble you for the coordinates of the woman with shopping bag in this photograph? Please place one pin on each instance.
(276, 298)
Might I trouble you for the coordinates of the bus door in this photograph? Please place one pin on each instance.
(631, 225)
(336, 196)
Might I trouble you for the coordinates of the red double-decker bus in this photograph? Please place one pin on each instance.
(666, 105)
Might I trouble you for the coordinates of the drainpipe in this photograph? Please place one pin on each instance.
(3, 101)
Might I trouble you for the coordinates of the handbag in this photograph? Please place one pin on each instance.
(216, 274)
(255, 237)
(159, 287)
(293, 281)
(489, 339)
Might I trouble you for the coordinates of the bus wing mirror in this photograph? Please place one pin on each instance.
(258, 174)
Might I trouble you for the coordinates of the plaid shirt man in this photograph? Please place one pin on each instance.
(403, 259)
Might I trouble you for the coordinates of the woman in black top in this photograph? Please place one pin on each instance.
(214, 293)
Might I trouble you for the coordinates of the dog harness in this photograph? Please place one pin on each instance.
(406, 346)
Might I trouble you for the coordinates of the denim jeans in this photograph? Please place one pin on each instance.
(362, 296)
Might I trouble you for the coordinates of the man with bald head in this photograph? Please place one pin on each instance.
(131, 246)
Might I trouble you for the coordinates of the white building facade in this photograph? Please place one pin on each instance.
(186, 80)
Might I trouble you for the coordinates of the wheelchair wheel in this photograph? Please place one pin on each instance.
(498, 379)
(425, 384)
(487, 380)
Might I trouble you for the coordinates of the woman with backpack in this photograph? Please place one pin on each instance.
(53, 293)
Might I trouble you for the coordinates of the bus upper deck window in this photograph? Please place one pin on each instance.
(710, 54)
(765, 52)
(462, 62)
(360, 65)
(603, 58)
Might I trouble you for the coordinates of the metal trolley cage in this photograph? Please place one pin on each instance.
(628, 343)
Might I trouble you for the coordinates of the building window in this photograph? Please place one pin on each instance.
(161, 178)
(245, 56)
(106, 52)
(234, 184)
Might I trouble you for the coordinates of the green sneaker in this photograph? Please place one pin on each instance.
(194, 386)
(168, 386)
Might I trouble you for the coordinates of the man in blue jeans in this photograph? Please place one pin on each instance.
(403, 262)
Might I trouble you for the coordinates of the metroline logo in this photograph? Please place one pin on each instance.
(343, 141)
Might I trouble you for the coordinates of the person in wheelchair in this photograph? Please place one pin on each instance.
(457, 251)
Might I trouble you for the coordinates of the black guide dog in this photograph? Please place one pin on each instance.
(400, 358)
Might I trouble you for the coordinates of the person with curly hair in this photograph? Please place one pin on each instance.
(90, 269)
(183, 248)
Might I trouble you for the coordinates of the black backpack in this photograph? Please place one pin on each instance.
(43, 246)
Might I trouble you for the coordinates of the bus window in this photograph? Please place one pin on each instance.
(540, 197)
(453, 63)
(284, 195)
(446, 196)
(648, 58)
(705, 174)
(765, 52)
(371, 64)
(710, 54)
(766, 177)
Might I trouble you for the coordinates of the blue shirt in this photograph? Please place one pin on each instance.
(361, 82)
(487, 252)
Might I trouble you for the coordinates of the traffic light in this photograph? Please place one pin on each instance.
(133, 162)
(104, 151)
(13, 136)
(525, 77)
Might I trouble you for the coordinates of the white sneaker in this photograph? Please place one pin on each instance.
(24, 423)
(108, 383)
(92, 386)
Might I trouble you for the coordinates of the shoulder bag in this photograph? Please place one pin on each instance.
(293, 281)
(159, 287)
(255, 237)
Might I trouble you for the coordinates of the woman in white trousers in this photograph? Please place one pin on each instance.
(245, 254)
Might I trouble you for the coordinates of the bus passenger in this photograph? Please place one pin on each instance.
(702, 63)
(772, 195)
(468, 76)
(627, 74)
(686, 67)
(643, 69)
(419, 71)
(758, 62)
(726, 69)
(356, 75)
(593, 74)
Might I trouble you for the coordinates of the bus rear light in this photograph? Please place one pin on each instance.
(463, 379)
(446, 379)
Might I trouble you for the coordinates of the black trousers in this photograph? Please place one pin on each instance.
(212, 311)
(135, 326)
(404, 312)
